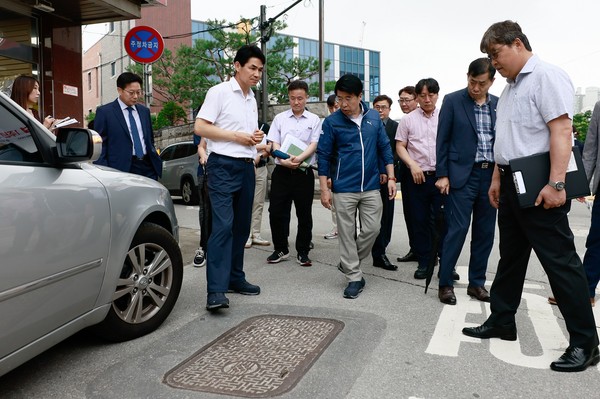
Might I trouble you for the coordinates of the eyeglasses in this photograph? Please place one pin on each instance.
(346, 100)
(405, 100)
(381, 107)
(133, 92)
(495, 52)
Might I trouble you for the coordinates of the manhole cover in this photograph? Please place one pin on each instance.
(261, 357)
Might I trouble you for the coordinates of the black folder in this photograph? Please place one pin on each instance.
(531, 173)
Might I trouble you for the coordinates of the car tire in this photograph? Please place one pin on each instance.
(189, 192)
(145, 293)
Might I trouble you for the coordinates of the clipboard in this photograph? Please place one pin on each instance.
(530, 175)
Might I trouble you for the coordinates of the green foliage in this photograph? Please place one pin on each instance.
(313, 88)
(581, 122)
(90, 117)
(281, 69)
(158, 121)
(185, 76)
(174, 113)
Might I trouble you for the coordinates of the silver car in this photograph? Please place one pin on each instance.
(80, 245)
(180, 171)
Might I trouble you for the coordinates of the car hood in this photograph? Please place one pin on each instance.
(133, 194)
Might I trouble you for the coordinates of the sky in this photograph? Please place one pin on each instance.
(434, 38)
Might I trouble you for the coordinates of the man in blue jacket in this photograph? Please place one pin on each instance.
(352, 151)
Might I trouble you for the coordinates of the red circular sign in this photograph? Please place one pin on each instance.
(144, 44)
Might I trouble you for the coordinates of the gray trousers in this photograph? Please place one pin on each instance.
(259, 200)
(354, 250)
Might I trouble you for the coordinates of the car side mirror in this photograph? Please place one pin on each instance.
(74, 144)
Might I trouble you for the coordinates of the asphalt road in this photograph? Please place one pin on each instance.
(397, 342)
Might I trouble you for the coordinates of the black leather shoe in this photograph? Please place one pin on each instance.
(409, 257)
(576, 359)
(506, 333)
(446, 295)
(421, 274)
(479, 293)
(384, 263)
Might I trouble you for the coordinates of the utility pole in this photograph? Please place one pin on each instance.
(263, 46)
(321, 50)
(265, 35)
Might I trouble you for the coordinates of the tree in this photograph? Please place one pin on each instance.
(581, 122)
(185, 77)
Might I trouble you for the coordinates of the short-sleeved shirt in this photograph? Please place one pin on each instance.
(540, 93)
(226, 107)
(419, 132)
(306, 127)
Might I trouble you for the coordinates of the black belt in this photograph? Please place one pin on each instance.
(504, 170)
(145, 158)
(484, 165)
(247, 160)
(296, 171)
(429, 173)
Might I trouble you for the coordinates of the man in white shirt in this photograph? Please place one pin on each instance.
(292, 180)
(229, 119)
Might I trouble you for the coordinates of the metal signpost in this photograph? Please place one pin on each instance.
(145, 45)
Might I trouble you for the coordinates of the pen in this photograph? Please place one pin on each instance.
(261, 126)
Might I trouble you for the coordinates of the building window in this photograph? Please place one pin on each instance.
(199, 31)
(352, 61)
(374, 74)
(113, 68)
(89, 81)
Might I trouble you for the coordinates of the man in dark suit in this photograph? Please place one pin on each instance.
(126, 130)
(383, 104)
(465, 164)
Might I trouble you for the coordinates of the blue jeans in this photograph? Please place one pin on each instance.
(469, 200)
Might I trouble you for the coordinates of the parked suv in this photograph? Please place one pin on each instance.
(80, 245)
(180, 171)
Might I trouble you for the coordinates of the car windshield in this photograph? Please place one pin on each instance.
(16, 142)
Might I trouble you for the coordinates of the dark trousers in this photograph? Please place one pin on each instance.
(204, 211)
(547, 232)
(231, 191)
(425, 203)
(591, 259)
(387, 222)
(473, 199)
(143, 167)
(405, 176)
(287, 186)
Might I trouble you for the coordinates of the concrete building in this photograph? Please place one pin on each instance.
(43, 38)
(107, 58)
(364, 63)
(591, 96)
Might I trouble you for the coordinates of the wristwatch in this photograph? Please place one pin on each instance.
(557, 185)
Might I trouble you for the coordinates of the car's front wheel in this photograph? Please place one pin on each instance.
(148, 286)
(189, 192)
